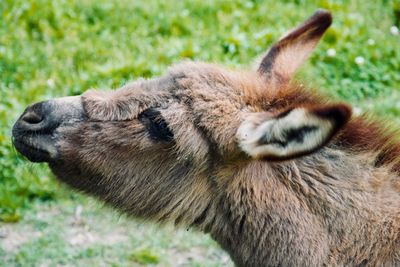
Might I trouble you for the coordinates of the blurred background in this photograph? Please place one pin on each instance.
(52, 48)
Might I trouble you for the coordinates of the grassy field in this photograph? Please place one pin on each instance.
(58, 48)
(64, 233)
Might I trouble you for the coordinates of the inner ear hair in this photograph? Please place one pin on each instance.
(291, 133)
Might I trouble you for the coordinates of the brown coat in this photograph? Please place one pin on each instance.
(277, 174)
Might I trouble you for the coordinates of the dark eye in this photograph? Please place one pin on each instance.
(156, 126)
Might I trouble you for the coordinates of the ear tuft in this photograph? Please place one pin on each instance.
(291, 133)
(339, 113)
(318, 23)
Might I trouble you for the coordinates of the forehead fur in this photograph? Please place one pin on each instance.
(211, 82)
(215, 98)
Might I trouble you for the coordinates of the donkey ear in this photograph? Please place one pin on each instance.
(291, 133)
(285, 57)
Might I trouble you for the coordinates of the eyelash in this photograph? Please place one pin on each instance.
(156, 126)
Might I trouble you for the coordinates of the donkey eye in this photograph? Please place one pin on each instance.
(156, 126)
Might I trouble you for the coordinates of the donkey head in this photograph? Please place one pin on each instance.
(157, 146)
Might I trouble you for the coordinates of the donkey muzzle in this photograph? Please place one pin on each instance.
(35, 132)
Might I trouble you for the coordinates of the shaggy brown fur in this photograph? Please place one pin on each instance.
(339, 205)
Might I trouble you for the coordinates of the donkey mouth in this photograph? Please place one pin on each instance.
(34, 151)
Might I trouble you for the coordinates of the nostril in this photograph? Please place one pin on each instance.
(32, 117)
(34, 114)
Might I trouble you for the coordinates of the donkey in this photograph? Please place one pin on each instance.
(276, 173)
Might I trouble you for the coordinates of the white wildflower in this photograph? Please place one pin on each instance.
(50, 83)
(185, 13)
(359, 60)
(371, 42)
(249, 4)
(394, 30)
(331, 52)
(357, 111)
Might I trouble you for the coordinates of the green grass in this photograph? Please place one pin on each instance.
(58, 48)
(52, 234)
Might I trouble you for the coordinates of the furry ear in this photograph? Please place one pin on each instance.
(286, 56)
(292, 133)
